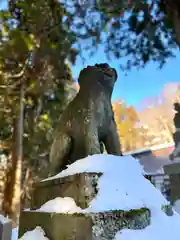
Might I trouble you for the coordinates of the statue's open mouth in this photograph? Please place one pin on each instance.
(108, 71)
(105, 69)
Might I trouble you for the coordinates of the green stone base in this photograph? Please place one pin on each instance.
(94, 226)
(57, 226)
(81, 187)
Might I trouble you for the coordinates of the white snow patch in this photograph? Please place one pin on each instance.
(60, 205)
(122, 185)
(161, 227)
(36, 234)
(14, 234)
(3, 219)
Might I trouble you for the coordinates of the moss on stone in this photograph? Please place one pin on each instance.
(107, 224)
(167, 209)
(102, 225)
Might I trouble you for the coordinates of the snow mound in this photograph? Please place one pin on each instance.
(161, 227)
(3, 219)
(36, 234)
(60, 205)
(14, 234)
(122, 185)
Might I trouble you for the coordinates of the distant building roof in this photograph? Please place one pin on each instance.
(153, 165)
(169, 147)
(153, 158)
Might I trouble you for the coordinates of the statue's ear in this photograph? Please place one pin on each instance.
(106, 68)
(83, 75)
(89, 74)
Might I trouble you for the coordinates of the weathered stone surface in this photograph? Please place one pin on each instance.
(94, 226)
(81, 187)
(5, 228)
(107, 224)
(87, 121)
(167, 209)
(172, 168)
(57, 226)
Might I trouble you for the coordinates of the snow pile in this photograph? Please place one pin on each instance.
(122, 185)
(14, 234)
(3, 219)
(161, 227)
(36, 234)
(59, 205)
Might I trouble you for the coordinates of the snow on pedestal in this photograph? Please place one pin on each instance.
(122, 189)
(36, 234)
(122, 185)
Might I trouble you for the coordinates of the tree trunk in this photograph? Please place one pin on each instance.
(10, 175)
(12, 192)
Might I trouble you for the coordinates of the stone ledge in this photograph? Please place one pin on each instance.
(172, 168)
(5, 228)
(81, 187)
(93, 226)
(57, 226)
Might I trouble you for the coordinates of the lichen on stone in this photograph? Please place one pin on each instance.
(107, 224)
(167, 209)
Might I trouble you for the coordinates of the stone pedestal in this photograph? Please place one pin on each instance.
(5, 228)
(173, 170)
(92, 226)
(81, 187)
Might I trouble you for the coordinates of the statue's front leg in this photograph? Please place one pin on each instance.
(59, 153)
(112, 142)
(92, 145)
(87, 144)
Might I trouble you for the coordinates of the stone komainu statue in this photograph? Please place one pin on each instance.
(88, 121)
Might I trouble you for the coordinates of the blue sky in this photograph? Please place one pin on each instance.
(3, 4)
(138, 84)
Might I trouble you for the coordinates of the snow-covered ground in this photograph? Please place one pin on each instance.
(122, 186)
(14, 234)
(177, 206)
